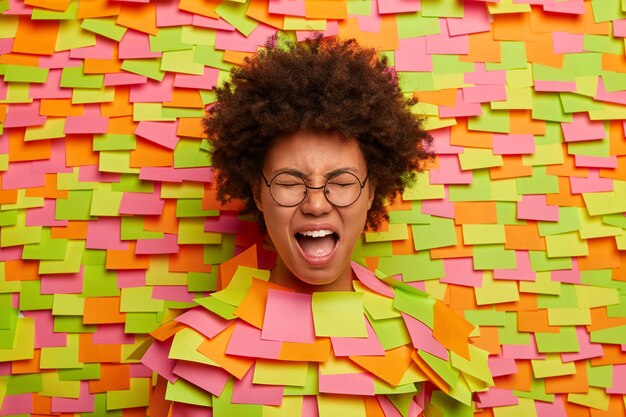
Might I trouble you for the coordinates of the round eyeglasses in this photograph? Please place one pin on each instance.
(340, 189)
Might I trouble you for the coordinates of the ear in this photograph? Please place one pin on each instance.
(256, 194)
(372, 193)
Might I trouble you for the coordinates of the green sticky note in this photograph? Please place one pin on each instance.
(485, 317)
(219, 253)
(138, 395)
(23, 341)
(99, 282)
(443, 9)
(171, 113)
(118, 162)
(89, 371)
(132, 228)
(566, 298)
(193, 208)
(393, 232)
(418, 307)
(537, 392)
(202, 282)
(52, 128)
(69, 264)
(71, 36)
(483, 234)
(328, 306)
(32, 299)
(293, 23)
(188, 154)
(548, 106)
(191, 231)
(360, 7)
(75, 77)
(20, 234)
(563, 341)
(341, 405)
(150, 68)
(376, 306)
(45, 14)
(114, 142)
(548, 73)
(240, 284)
(423, 189)
(268, 372)
(105, 27)
(540, 182)
(543, 284)
(508, 333)
(478, 190)
(182, 62)
(606, 10)
(25, 74)
(569, 316)
(105, 202)
(76, 206)
(568, 222)
(490, 121)
(441, 367)
(22, 384)
(496, 291)
(439, 233)
(493, 257)
(412, 216)
(68, 305)
(72, 324)
(566, 244)
(412, 25)
(575, 103)
(600, 376)
(420, 267)
(46, 248)
(65, 357)
(416, 81)
(132, 183)
(539, 261)
(209, 56)
(142, 323)
(184, 392)
(218, 307)
(512, 57)
(168, 39)
(193, 35)
(548, 154)
(185, 345)
(139, 299)
(235, 14)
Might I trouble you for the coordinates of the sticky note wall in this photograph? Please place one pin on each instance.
(107, 206)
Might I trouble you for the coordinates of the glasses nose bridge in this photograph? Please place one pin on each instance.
(320, 188)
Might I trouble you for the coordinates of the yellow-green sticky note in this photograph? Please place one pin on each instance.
(340, 405)
(53, 386)
(483, 234)
(595, 398)
(338, 314)
(24, 342)
(138, 395)
(184, 392)
(566, 244)
(269, 372)
(185, 345)
(552, 365)
(139, 299)
(65, 357)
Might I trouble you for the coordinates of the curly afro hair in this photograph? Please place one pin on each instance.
(322, 85)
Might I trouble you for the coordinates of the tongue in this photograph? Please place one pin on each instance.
(316, 246)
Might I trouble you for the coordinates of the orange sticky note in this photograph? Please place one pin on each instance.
(246, 258)
(215, 349)
(103, 310)
(324, 9)
(59, 5)
(451, 330)
(141, 17)
(190, 127)
(258, 10)
(42, 44)
(475, 212)
(90, 352)
(126, 259)
(20, 151)
(112, 377)
(60, 107)
(432, 375)
(98, 8)
(201, 7)
(149, 154)
(252, 308)
(390, 367)
(317, 351)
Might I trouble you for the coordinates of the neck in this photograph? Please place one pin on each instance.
(282, 276)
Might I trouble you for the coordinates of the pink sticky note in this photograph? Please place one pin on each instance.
(484, 93)
(513, 144)
(576, 7)
(587, 349)
(442, 207)
(106, 334)
(17, 7)
(367, 278)
(441, 143)
(522, 272)
(156, 358)
(210, 23)
(12, 253)
(103, 49)
(161, 133)
(422, 338)
(134, 45)
(535, 207)
(246, 341)
(595, 161)
(399, 6)
(449, 172)
(555, 86)
(168, 14)
(24, 115)
(528, 351)
(90, 122)
(225, 223)
(371, 22)
(123, 78)
(592, 184)
(475, 19)
(288, 317)
(139, 370)
(287, 7)
(309, 406)
(499, 365)
(619, 28)
(22, 175)
(50, 89)
(347, 384)
(62, 283)
(85, 403)
(190, 410)
(17, 404)
(168, 244)
(482, 76)
(602, 94)
(61, 59)
(358, 346)
(553, 409)
(389, 409)
(236, 41)
(205, 81)
(203, 321)
(443, 43)
(6, 45)
(460, 271)
(411, 55)
(91, 173)
(178, 293)
(496, 397)
(129, 278)
(619, 380)
(45, 335)
(212, 379)
(461, 108)
(582, 128)
(570, 276)
(245, 392)
(44, 216)
(105, 234)
(142, 203)
(567, 43)
(153, 91)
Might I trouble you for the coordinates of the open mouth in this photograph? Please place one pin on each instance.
(317, 244)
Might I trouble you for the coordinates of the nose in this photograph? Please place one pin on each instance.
(315, 202)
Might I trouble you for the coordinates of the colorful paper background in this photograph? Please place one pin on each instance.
(108, 216)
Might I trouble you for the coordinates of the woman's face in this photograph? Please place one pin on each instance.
(314, 239)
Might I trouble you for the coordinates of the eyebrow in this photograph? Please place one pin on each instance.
(303, 175)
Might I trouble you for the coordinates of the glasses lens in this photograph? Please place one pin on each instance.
(287, 189)
(343, 189)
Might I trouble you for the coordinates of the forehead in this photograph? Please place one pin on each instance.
(313, 152)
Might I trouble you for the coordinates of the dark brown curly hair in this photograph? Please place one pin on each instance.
(322, 85)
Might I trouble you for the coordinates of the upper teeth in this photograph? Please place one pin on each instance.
(316, 233)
